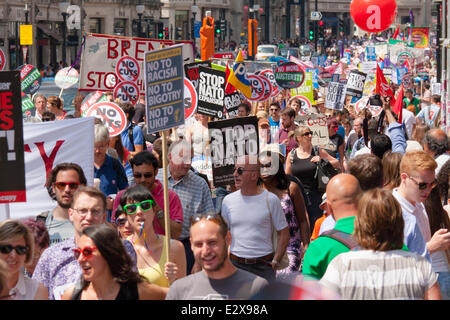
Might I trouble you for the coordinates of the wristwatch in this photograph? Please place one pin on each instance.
(160, 214)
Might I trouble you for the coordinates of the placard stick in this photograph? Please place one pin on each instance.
(60, 93)
(166, 194)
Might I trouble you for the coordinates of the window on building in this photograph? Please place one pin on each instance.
(120, 27)
(95, 25)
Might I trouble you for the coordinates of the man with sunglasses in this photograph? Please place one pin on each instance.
(63, 181)
(145, 168)
(57, 268)
(252, 213)
(417, 173)
(219, 278)
(274, 119)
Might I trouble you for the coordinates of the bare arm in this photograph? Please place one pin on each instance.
(439, 241)
(282, 243)
(300, 212)
(288, 169)
(325, 155)
(42, 293)
(434, 293)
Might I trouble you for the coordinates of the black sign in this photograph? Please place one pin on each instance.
(230, 139)
(192, 73)
(12, 162)
(211, 92)
(231, 103)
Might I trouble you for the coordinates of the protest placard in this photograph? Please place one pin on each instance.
(211, 92)
(191, 71)
(317, 123)
(335, 97)
(355, 83)
(12, 166)
(164, 88)
(229, 140)
(30, 78)
(128, 69)
(66, 78)
(2, 60)
(190, 99)
(289, 75)
(126, 91)
(113, 117)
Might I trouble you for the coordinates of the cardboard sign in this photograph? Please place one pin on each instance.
(364, 103)
(267, 88)
(306, 89)
(28, 108)
(371, 54)
(231, 103)
(190, 99)
(335, 98)
(12, 163)
(127, 92)
(229, 140)
(2, 60)
(66, 78)
(211, 92)
(128, 69)
(30, 78)
(436, 88)
(112, 116)
(164, 92)
(192, 73)
(317, 123)
(289, 75)
(101, 54)
(355, 83)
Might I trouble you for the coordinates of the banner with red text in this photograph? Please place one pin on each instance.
(47, 144)
(102, 53)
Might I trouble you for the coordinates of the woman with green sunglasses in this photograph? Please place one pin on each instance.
(152, 263)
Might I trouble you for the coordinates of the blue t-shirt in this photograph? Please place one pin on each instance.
(138, 138)
(274, 127)
(111, 180)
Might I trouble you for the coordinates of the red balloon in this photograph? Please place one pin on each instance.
(373, 15)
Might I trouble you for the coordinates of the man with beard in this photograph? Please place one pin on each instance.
(219, 278)
(62, 183)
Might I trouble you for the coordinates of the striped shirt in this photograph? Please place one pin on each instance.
(379, 275)
(195, 197)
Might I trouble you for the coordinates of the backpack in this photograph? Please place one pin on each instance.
(130, 136)
(345, 238)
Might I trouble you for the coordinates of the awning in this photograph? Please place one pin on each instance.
(49, 32)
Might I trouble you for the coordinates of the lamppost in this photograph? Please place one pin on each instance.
(194, 9)
(26, 10)
(140, 11)
(63, 9)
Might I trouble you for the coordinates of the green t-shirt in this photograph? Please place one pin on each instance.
(321, 251)
(415, 102)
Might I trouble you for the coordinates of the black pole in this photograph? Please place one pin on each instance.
(288, 19)
(64, 14)
(26, 22)
(267, 21)
(302, 19)
(316, 27)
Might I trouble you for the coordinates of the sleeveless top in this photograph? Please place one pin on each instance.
(200, 139)
(128, 291)
(305, 170)
(155, 273)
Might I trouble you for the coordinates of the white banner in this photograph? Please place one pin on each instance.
(102, 53)
(46, 145)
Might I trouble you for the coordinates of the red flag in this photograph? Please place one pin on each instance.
(407, 65)
(383, 88)
(396, 33)
(229, 88)
(398, 106)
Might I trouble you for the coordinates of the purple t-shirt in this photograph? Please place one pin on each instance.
(57, 268)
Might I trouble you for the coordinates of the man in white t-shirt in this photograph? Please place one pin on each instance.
(251, 213)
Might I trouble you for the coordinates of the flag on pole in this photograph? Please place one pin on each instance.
(398, 106)
(238, 77)
(229, 87)
(396, 33)
(382, 87)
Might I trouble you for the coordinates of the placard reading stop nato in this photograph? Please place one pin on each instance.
(164, 88)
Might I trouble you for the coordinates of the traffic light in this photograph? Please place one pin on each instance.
(223, 27)
(217, 31)
(166, 33)
(160, 31)
(321, 31)
(341, 25)
(179, 33)
(311, 30)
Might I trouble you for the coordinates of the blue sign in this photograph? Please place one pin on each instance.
(315, 75)
(321, 61)
(164, 88)
(197, 26)
(371, 54)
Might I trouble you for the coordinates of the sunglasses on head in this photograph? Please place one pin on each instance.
(214, 217)
(86, 252)
(424, 185)
(61, 185)
(7, 248)
(132, 208)
(147, 175)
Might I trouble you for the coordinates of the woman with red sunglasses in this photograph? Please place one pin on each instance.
(16, 250)
(107, 270)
